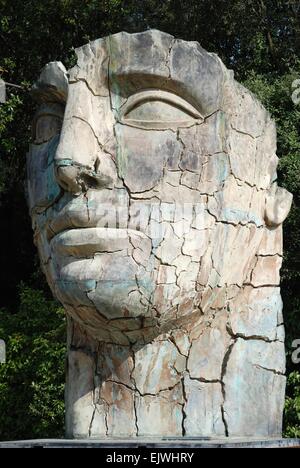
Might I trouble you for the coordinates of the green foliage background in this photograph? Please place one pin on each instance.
(259, 39)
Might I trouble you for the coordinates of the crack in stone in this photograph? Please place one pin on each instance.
(93, 131)
(146, 129)
(136, 390)
(172, 340)
(83, 80)
(92, 421)
(274, 371)
(136, 416)
(246, 337)
(184, 415)
(168, 61)
(261, 285)
(269, 255)
(93, 395)
(248, 134)
(223, 374)
(205, 381)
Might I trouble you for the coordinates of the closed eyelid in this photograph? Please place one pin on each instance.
(156, 109)
(50, 110)
(163, 96)
(47, 122)
(44, 115)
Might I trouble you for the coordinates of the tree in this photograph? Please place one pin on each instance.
(32, 381)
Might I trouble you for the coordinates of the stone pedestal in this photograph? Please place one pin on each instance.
(179, 444)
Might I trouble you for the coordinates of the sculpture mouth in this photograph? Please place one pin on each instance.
(78, 216)
(86, 242)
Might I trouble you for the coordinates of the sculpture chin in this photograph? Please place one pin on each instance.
(117, 300)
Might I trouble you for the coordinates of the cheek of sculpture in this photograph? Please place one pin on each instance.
(143, 156)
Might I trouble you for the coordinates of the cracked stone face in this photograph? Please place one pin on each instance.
(157, 216)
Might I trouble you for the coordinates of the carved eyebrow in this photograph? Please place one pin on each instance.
(158, 95)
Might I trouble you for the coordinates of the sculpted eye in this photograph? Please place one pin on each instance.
(47, 122)
(159, 110)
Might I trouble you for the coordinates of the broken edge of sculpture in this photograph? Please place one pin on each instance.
(158, 219)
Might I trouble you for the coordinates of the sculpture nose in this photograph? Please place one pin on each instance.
(76, 178)
(77, 157)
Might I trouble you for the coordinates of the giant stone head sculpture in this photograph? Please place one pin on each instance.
(158, 220)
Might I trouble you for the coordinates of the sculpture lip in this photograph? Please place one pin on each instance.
(85, 242)
(77, 217)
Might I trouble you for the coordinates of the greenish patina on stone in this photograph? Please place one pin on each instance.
(158, 219)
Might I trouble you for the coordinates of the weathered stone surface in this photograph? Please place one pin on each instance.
(195, 244)
(84, 108)
(137, 61)
(238, 203)
(248, 408)
(166, 366)
(242, 164)
(247, 115)
(230, 260)
(158, 220)
(189, 276)
(272, 242)
(157, 443)
(166, 275)
(279, 203)
(52, 84)
(164, 410)
(203, 409)
(266, 147)
(121, 412)
(48, 122)
(92, 67)
(181, 341)
(80, 397)
(214, 173)
(115, 364)
(42, 188)
(202, 140)
(169, 249)
(266, 271)
(201, 77)
(208, 350)
(142, 156)
(255, 313)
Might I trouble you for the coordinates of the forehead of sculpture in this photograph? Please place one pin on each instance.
(123, 64)
(153, 59)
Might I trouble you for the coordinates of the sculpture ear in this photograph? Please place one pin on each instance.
(278, 205)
